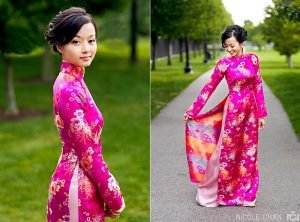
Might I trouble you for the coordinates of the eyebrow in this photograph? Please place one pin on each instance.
(88, 36)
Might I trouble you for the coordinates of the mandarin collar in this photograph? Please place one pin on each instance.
(71, 69)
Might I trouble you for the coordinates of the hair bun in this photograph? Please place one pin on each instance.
(234, 30)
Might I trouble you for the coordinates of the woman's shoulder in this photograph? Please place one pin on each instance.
(223, 60)
(68, 89)
(222, 64)
(252, 56)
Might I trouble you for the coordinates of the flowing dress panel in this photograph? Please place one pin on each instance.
(202, 136)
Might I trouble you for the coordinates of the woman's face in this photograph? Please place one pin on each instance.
(233, 47)
(82, 48)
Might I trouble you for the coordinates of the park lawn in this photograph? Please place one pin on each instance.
(168, 81)
(284, 82)
(30, 147)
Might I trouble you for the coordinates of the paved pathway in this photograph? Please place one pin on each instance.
(173, 196)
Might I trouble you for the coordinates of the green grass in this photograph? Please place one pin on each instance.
(284, 82)
(30, 148)
(168, 81)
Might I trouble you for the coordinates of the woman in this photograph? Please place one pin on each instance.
(221, 144)
(81, 188)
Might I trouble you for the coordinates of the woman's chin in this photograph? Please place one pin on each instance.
(85, 63)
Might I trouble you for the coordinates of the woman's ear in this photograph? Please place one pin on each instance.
(59, 49)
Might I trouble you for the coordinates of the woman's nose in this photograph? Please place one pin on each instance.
(85, 47)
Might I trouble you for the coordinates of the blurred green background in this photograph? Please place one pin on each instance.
(118, 80)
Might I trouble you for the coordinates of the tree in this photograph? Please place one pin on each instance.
(17, 36)
(133, 32)
(255, 34)
(22, 26)
(200, 21)
(139, 25)
(166, 16)
(209, 27)
(284, 33)
(289, 9)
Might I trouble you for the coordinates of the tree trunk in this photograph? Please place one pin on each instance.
(214, 50)
(195, 49)
(289, 61)
(170, 51)
(206, 52)
(199, 48)
(180, 50)
(153, 48)
(47, 73)
(12, 109)
(188, 68)
(133, 37)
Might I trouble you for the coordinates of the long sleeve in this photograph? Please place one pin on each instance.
(258, 90)
(87, 146)
(208, 89)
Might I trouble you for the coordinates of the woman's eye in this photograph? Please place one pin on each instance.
(75, 42)
(92, 41)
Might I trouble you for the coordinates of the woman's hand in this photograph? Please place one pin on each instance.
(261, 123)
(111, 213)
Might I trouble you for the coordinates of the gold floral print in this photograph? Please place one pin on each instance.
(58, 121)
(86, 186)
(55, 187)
(87, 159)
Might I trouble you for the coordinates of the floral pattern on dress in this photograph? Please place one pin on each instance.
(81, 185)
(237, 137)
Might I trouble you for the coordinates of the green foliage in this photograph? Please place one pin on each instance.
(289, 9)
(259, 40)
(212, 21)
(30, 148)
(20, 37)
(255, 34)
(98, 7)
(115, 24)
(285, 34)
(195, 18)
(166, 16)
(5, 10)
(17, 33)
(143, 17)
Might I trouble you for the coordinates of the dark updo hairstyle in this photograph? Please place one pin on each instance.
(234, 30)
(65, 25)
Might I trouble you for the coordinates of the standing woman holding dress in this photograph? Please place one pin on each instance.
(81, 187)
(222, 144)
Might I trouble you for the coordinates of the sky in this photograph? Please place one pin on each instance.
(241, 10)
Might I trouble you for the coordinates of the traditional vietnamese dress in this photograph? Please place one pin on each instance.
(222, 144)
(81, 188)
